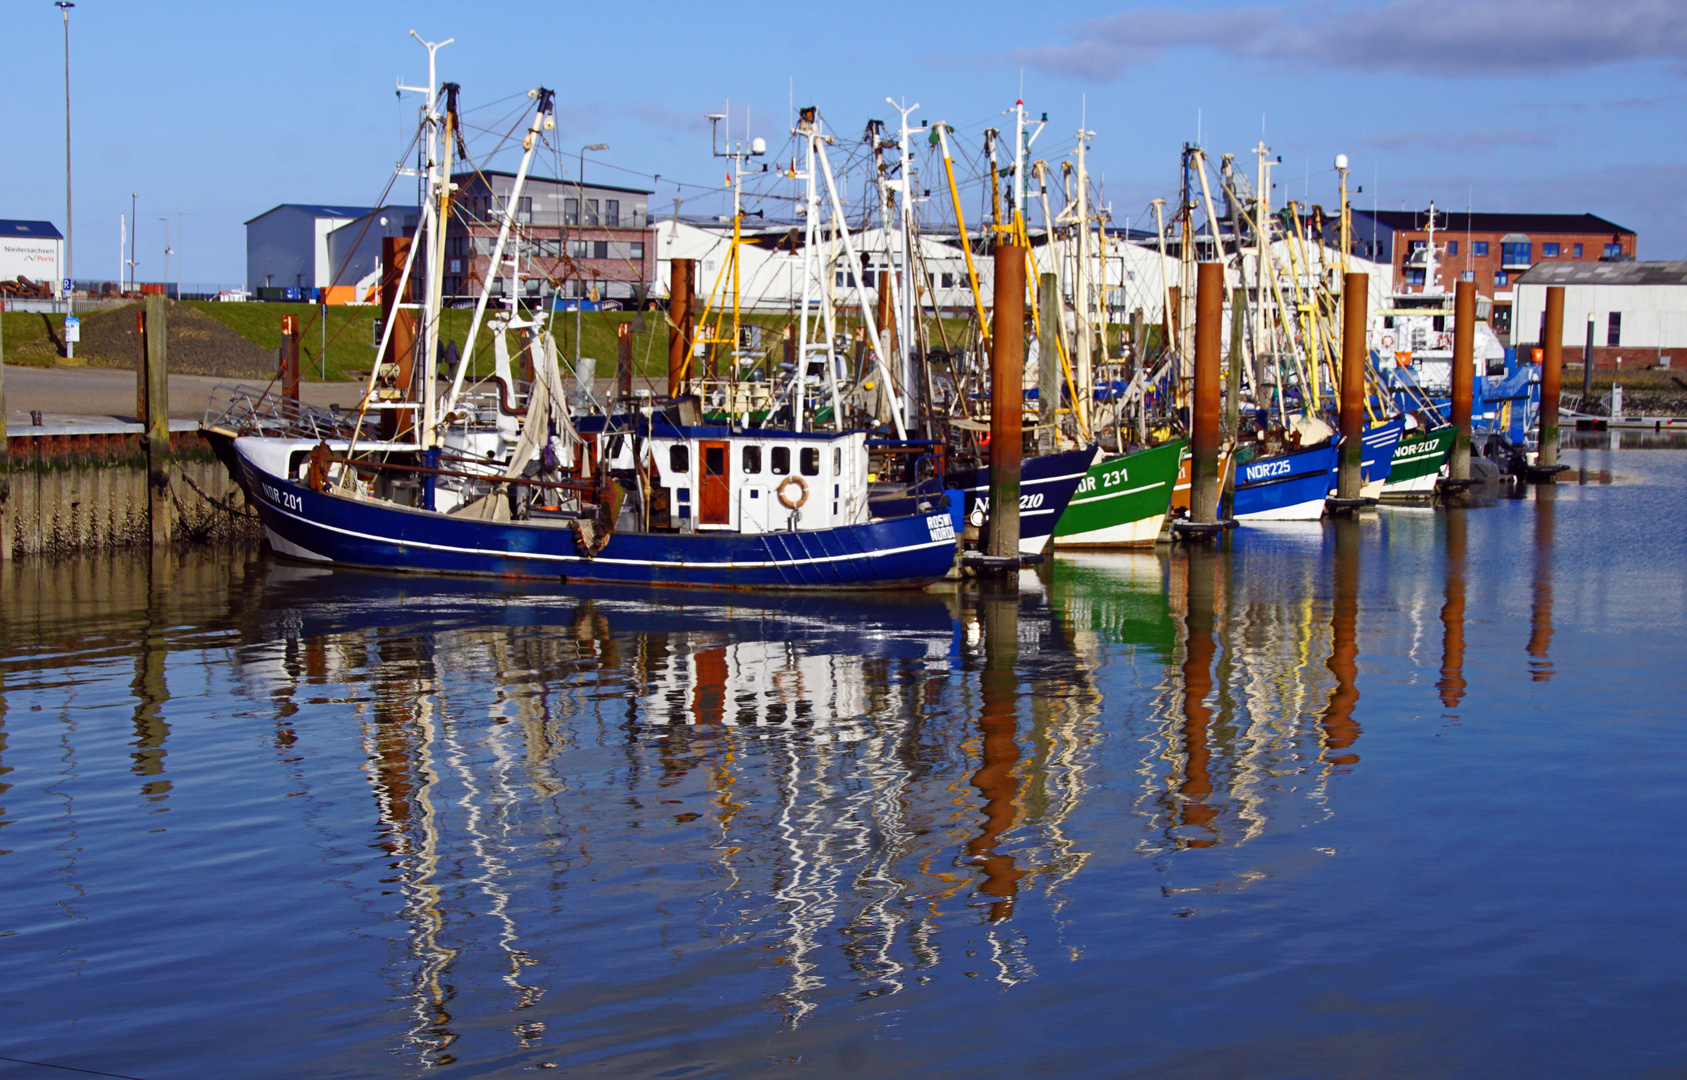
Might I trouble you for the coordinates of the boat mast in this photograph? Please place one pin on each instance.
(908, 337)
(543, 119)
(1081, 291)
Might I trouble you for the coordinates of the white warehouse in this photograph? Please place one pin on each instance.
(1638, 310)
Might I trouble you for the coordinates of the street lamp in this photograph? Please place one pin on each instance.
(64, 7)
(167, 254)
(580, 220)
(179, 215)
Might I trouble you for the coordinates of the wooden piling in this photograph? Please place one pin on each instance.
(1587, 365)
(290, 374)
(624, 360)
(157, 420)
(1552, 374)
(681, 286)
(5, 461)
(1204, 419)
(1048, 358)
(1007, 401)
(1349, 475)
(1464, 374)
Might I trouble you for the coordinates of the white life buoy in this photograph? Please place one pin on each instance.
(1443, 341)
(784, 496)
(1388, 341)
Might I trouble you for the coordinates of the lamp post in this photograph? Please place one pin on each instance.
(580, 220)
(167, 254)
(179, 215)
(64, 7)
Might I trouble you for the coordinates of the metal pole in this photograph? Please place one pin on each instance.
(290, 358)
(1354, 296)
(680, 290)
(134, 230)
(1587, 364)
(1552, 375)
(1204, 434)
(1007, 402)
(69, 232)
(1464, 352)
(624, 360)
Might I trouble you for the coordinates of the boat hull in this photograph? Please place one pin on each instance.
(903, 552)
(1289, 487)
(1377, 460)
(1046, 485)
(1417, 462)
(1121, 502)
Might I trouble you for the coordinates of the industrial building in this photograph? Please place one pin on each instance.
(1494, 248)
(1637, 311)
(32, 250)
(287, 248)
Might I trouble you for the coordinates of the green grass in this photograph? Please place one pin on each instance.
(24, 341)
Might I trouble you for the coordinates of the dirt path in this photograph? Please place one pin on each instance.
(68, 394)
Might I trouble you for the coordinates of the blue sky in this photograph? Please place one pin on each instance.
(223, 110)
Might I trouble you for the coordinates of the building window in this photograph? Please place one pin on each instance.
(1452, 247)
(612, 212)
(533, 287)
(1577, 250)
(1517, 254)
(1419, 245)
(1549, 251)
(1614, 329)
(577, 249)
(1501, 279)
(1414, 277)
(1479, 247)
(524, 211)
(600, 249)
(1613, 251)
(635, 250)
(571, 211)
(947, 281)
(591, 212)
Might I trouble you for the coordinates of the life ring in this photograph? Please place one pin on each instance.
(1443, 341)
(785, 499)
(1388, 341)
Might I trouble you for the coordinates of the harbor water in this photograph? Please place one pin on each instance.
(1399, 796)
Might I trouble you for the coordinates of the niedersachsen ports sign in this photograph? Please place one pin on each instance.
(30, 249)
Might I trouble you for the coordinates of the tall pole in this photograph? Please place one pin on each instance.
(134, 230)
(1587, 364)
(1007, 402)
(1464, 352)
(1552, 372)
(1048, 359)
(679, 323)
(1349, 475)
(1204, 434)
(64, 6)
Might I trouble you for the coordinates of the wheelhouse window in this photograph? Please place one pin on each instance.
(810, 461)
(779, 463)
(752, 459)
(679, 459)
(837, 461)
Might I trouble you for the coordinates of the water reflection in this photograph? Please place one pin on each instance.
(1452, 683)
(1540, 610)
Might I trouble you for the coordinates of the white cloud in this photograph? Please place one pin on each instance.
(1431, 37)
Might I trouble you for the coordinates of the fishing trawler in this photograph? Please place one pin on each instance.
(490, 479)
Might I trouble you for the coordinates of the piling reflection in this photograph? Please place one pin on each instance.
(998, 751)
(1341, 730)
(1540, 609)
(1195, 787)
(1451, 684)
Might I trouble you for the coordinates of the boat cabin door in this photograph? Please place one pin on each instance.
(715, 498)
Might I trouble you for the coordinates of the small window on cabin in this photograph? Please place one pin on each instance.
(714, 461)
(679, 459)
(752, 459)
(811, 461)
(837, 461)
(779, 463)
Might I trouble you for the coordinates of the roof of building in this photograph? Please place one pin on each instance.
(320, 210)
(35, 230)
(1606, 273)
(552, 180)
(1458, 221)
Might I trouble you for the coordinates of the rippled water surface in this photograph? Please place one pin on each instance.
(1401, 797)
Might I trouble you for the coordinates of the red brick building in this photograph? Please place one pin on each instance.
(1495, 248)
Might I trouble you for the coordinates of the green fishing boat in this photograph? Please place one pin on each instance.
(1122, 501)
(1417, 462)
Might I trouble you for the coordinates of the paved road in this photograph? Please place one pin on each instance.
(69, 395)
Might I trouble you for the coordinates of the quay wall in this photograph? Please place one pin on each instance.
(68, 494)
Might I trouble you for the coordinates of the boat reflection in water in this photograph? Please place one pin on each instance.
(842, 796)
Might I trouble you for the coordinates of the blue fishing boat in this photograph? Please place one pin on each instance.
(698, 507)
(1285, 487)
(1047, 483)
(1378, 456)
